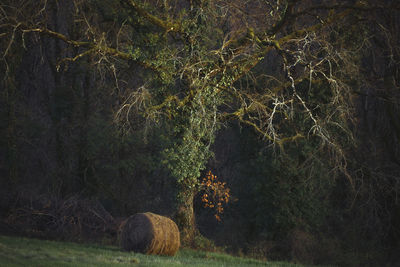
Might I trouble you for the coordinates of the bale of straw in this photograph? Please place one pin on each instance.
(149, 233)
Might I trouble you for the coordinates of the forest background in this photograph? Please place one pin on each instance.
(268, 128)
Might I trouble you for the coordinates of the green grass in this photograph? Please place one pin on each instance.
(18, 251)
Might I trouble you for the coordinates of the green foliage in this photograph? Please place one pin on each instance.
(277, 191)
(293, 191)
(191, 149)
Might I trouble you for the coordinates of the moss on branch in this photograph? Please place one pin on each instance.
(93, 47)
(168, 26)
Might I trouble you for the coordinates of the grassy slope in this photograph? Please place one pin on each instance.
(17, 251)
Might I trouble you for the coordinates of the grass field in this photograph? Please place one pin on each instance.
(18, 251)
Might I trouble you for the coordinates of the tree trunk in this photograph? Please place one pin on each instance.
(11, 137)
(185, 217)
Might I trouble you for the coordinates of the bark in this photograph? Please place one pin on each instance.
(12, 152)
(185, 217)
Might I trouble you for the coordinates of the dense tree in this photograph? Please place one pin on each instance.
(289, 70)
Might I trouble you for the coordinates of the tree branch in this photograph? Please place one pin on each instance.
(93, 47)
(60, 36)
(287, 17)
(166, 25)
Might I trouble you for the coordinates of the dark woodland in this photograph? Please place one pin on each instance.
(266, 129)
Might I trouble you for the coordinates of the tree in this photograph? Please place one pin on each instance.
(266, 64)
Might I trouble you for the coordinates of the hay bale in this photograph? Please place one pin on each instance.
(149, 233)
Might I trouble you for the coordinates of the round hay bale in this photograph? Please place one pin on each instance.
(149, 233)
